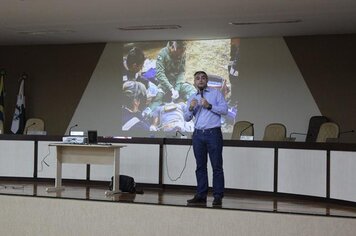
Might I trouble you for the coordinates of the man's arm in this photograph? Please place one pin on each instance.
(161, 72)
(189, 110)
(181, 72)
(220, 106)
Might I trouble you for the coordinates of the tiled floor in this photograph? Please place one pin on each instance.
(178, 197)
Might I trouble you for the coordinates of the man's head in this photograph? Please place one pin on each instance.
(200, 80)
(135, 59)
(176, 48)
(135, 93)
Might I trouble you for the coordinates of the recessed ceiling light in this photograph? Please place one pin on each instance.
(265, 22)
(45, 32)
(150, 27)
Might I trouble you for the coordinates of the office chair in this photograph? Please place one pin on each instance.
(242, 128)
(314, 125)
(328, 130)
(33, 124)
(275, 132)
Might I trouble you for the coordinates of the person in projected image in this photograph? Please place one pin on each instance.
(132, 65)
(135, 98)
(170, 69)
(170, 117)
(234, 59)
(207, 106)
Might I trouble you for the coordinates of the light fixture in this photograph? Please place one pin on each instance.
(265, 22)
(150, 27)
(45, 32)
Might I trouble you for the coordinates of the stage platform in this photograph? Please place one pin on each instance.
(174, 196)
(83, 209)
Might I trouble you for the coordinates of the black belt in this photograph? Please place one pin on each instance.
(206, 130)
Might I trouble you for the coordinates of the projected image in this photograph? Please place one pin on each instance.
(158, 80)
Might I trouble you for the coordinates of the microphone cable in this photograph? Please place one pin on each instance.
(185, 164)
(43, 161)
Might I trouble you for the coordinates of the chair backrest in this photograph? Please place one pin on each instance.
(314, 125)
(34, 124)
(275, 132)
(328, 130)
(242, 128)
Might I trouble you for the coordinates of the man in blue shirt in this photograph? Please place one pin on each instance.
(207, 106)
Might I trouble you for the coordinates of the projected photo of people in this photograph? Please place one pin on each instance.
(158, 80)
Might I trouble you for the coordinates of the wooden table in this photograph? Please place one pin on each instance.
(104, 154)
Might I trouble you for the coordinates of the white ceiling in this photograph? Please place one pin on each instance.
(24, 22)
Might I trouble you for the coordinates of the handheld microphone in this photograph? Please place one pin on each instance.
(30, 126)
(202, 93)
(70, 129)
(245, 129)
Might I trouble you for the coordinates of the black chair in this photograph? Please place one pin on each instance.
(314, 125)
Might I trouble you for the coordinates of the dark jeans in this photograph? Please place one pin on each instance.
(204, 142)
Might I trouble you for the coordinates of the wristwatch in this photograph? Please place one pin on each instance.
(209, 107)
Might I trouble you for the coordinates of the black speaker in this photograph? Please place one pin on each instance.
(92, 136)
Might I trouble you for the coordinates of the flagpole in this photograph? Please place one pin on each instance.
(2, 98)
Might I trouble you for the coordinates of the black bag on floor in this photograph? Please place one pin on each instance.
(127, 184)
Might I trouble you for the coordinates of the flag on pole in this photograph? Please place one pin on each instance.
(2, 94)
(19, 118)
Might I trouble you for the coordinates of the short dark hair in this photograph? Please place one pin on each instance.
(178, 44)
(200, 72)
(135, 55)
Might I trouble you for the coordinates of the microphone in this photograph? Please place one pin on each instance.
(348, 131)
(178, 132)
(201, 93)
(245, 129)
(70, 129)
(30, 126)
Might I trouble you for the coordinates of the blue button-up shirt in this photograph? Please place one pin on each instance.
(204, 118)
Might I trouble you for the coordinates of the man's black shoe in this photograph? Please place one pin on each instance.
(196, 201)
(217, 202)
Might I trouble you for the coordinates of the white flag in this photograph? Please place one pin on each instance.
(18, 121)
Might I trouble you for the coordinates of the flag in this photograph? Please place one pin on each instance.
(2, 94)
(19, 118)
